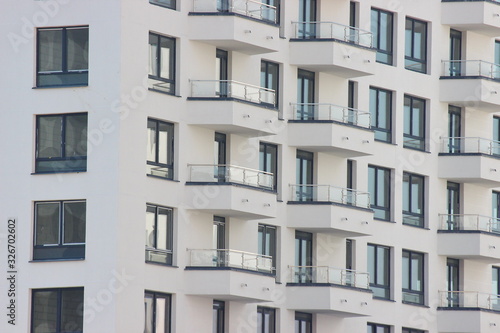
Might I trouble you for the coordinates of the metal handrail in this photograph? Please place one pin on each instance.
(243, 7)
(469, 299)
(349, 33)
(347, 196)
(233, 89)
(344, 114)
(469, 222)
(230, 258)
(466, 68)
(327, 274)
(229, 173)
(460, 145)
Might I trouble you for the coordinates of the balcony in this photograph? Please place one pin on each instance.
(231, 191)
(467, 236)
(478, 159)
(468, 311)
(232, 107)
(230, 275)
(341, 292)
(326, 208)
(479, 16)
(330, 128)
(333, 48)
(245, 26)
(471, 83)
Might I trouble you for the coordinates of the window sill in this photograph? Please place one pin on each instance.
(56, 172)
(55, 260)
(416, 304)
(163, 6)
(160, 177)
(384, 299)
(382, 220)
(160, 264)
(62, 86)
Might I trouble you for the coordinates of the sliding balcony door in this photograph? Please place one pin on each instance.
(304, 175)
(454, 129)
(221, 71)
(453, 205)
(305, 95)
(455, 53)
(307, 17)
(303, 257)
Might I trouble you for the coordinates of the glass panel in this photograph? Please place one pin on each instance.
(47, 223)
(153, 54)
(162, 234)
(44, 311)
(49, 136)
(149, 314)
(78, 48)
(416, 270)
(161, 308)
(164, 142)
(406, 270)
(166, 57)
(50, 50)
(151, 146)
(72, 310)
(76, 135)
(150, 226)
(74, 222)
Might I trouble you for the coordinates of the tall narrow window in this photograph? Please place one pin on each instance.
(453, 206)
(220, 157)
(267, 242)
(379, 268)
(349, 254)
(164, 3)
(303, 257)
(495, 280)
(381, 28)
(381, 113)
(269, 79)
(266, 320)
(416, 45)
(454, 129)
(379, 185)
(413, 277)
(453, 280)
(218, 317)
(413, 200)
(61, 143)
(497, 52)
(378, 328)
(62, 56)
(495, 211)
(159, 234)
(160, 149)
(495, 147)
(268, 162)
(58, 310)
(304, 176)
(305, 95)
(455, 53)
(161, 63)
(222, 73)
(414, 123)
(157, 312)
(307, 19)
(303, 322)
(59, 230)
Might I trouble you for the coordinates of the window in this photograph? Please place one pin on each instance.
(304, 175)
(61, 143)
(164, 3)
(379, 263)
(453, 281)
(59, 230)
(159, 234)
(411, 330)
(454, 129)
(266, 320)
(160, 154)
(416, 45)
(377, 328)
(157, 312)
(270, 14)
(453, 206)
(268, 161)
(381, 28)
(307, 17)
(413, 200)
(305, 95)
(218, 317)
(62, 57)
(267, 242)
(162, 63)
(379, 182)
(57, 310)
(303, 322)
(497, 52)
(495, 280)
(381, 113)
(495, 212)
(413, 277)
(414, 123)
(303, 257)
(269, 78)
(455, 53)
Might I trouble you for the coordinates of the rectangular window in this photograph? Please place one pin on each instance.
(413, 200)
(62, 57)
(411, 330)
(305, 95)
(497, 52)
(377, 328)
(455, 53)
(303, 257)
(59, 230)
(495, 280)
(160, 149)
(267, 242)
(303, 322)
(269, 78)
(413, 277)
(268, 161)
(379, 263)
(414, 123)
(416, 45)
(381, 113)
(162, 63)
(164, 3)
(57, 310)
(159, 234)
(495, 149)
(304, 175)
(307, 18)
(266, 320)
(61, 143)
(381, 28)
(218, 317)
(157, 312)
(379, 186)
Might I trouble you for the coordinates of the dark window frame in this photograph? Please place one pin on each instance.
(385, 288)
(376, 112)
(263, 230)
(219, 312)
(261, 313)
(303, 318)
(168, 312)
(419, 138)
(374, 328)
(410, 215)
(411, 330)
(420, 294)
(266, 149)
(170, 4)
(265, 71)
(166, 254)
(376, 28)
(412, 58)
(170, 145)
(386, 210)
(170, 81)
(306, 112)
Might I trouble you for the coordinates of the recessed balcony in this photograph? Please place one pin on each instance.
(326, 208)
(468, 311)
(333, 48)
(330, 128)
(233, 107)
(247, 26)
(230, 275)
(479, 16)
(466, 236)
(471, 83)
(478, 159)
(322, 289)
(231, 191)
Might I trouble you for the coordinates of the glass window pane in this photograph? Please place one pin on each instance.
(50, 50)
(74, 222)
(44, 312)
(150, 226)
(381, 266)
(78, 49)
(406, 270)
(166, 57)
(149, 314)
(165, 136)
(72, 310)
(161, 308)
(153, 55)
(151, 145)
(76, 135)
(162, 232)
(47, 223)
(49, 136)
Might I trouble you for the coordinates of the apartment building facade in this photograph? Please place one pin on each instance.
(234, 166)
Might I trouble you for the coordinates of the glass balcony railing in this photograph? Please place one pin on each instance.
(471, 68)
(251, 8)
(469, 299)
(231, 258)
(232, 89)
(210, 173)
(332, 30)
(471, 145)
(325, 274)
(469, 222)
(325, 111)
(329, 193)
